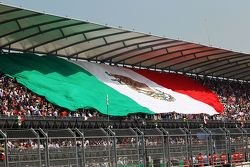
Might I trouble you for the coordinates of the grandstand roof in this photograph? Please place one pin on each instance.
(29, 31)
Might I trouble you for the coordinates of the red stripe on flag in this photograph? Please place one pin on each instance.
(184, 85)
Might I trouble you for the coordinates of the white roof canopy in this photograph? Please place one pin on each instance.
(29, 31)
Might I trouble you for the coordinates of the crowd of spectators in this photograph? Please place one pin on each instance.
(235, 96)
(17, 100)
(177, 140)
(23, 144)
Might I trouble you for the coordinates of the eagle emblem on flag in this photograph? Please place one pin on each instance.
(141, 87)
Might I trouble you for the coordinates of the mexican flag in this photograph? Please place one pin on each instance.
(79, 84)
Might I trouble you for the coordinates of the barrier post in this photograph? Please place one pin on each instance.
(6, 158)
(47, 162)
(39, 149)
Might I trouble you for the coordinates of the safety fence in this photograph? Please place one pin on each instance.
(51, 122)
(124, 147)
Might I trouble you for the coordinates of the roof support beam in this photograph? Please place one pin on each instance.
(218, 64)
(234, 73)
(61, 33)
(126, 52)
(60, 29)
(33, 26)
(104, 45)
(238, 62)
(233, 64)
(10, 11)
(165, 54)
(79, 42)
(216, 67)
(130, 50)
(21, 17)
(18, 24)
(111, 43)
(246, 74)
(209, 62)
(174, 58)
(197, 58)
(152, 50)
(181, 51)
(14, 49)
(67, 36)
(39, 33)
(140, 62)
(20, 50)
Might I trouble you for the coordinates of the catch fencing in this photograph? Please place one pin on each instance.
(124, 147)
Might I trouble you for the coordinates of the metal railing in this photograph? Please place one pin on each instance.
(124, 147)
(51, 122)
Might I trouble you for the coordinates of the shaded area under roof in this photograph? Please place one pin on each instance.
(29, 31)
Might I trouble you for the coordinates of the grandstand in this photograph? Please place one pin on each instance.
(59, 105)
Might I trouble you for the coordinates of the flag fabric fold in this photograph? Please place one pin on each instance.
(78, 84)
(185, 85)
(145, 92)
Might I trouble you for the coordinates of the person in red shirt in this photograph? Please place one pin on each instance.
(223, 159)
(241, 157)
(235, 157)
(2, 156)
(210, 159)
(64, 114)
(200, 160)
(215, 159)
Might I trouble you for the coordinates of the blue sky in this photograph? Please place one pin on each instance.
(220, 23)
